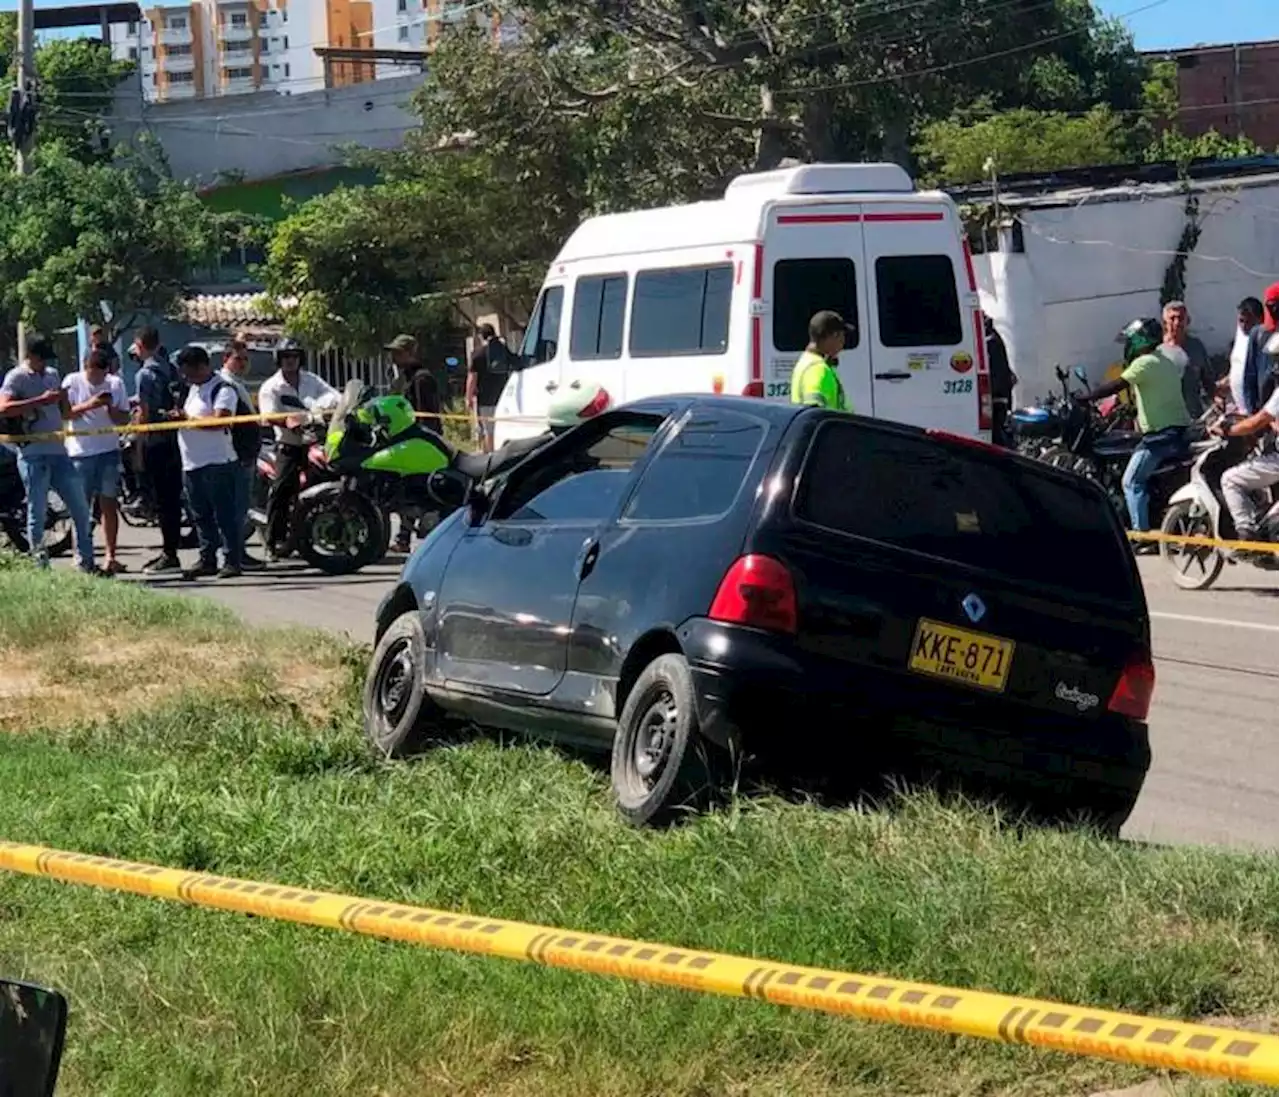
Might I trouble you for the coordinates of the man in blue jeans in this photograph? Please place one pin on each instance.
(209, 467)
(31, 396)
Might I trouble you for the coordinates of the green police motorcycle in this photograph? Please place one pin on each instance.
(386, 463)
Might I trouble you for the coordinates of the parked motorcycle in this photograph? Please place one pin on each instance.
(1199, 509)
(1041, 431)
(266, 470)
(13, 512)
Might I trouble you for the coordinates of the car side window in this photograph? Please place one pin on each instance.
(700, 469)
(579, 483)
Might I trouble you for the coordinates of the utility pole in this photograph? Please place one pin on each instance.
(22, 111)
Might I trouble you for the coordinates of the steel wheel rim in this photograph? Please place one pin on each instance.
(336, 531)
(393, 687)
(653, 741)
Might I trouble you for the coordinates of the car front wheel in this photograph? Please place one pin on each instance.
(662, 764)
(398, 714)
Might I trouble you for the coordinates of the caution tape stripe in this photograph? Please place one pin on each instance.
(1202, 542)
(1127, 1038)
(265, 419)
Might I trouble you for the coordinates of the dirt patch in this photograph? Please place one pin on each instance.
(102, 677)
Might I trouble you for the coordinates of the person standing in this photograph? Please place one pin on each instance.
(100, 339)
(1156, 382)
(32, 394)
(235, 364)
(1248, 317)
(415, 382)
(98, 402)
(160, 398)
(487, 374)
(295, 392)
(1186, 352)
(814, 379)
(209, 466)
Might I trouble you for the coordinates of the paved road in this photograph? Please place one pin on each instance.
(1215, 727)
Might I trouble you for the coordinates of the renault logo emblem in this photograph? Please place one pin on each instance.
(974, 608)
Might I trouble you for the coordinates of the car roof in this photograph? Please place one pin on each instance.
(768, 410)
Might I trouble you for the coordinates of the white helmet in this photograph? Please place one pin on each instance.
(575, 403)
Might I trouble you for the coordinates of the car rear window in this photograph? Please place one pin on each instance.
(961, 504)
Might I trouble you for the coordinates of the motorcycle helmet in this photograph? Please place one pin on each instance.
(1140, 337)
(575, 403)
(289, 346)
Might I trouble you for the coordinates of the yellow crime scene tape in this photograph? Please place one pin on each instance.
(1126, 1038)
(1203, 542)
(231, 421)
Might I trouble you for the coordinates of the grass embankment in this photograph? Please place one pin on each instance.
(169, 1000)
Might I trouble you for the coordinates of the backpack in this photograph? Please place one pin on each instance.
(246, 438)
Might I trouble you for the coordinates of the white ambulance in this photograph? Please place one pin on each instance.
(717, 296)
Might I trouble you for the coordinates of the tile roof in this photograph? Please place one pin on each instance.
(229, 310)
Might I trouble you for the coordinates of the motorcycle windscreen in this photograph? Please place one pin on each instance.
(350, 400)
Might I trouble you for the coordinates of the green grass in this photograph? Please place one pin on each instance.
(172, 1000)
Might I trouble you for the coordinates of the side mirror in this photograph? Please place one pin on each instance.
(33, 1024)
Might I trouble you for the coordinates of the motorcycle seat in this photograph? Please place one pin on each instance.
(484, 466)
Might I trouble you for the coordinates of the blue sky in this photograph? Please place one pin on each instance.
(1187, 22)
(1165, 23)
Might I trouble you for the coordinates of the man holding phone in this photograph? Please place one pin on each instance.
(98, 402)
(31, 397)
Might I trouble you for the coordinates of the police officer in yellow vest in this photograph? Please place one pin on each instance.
(814, 379)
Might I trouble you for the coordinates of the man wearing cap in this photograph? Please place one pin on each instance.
(815, 380)
(414, 381)
(32, 397)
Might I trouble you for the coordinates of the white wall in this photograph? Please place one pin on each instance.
(1090, 268)
(264, 134)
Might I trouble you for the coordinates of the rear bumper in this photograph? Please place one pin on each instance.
(795, 708)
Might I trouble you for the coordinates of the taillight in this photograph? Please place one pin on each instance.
(984, 401)
(757, 591)
(754, 388)
(1132, 695)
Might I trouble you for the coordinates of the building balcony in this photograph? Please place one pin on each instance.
(178, 64)
(171, 37)
(176, 91)
(229, 32)
(237, 85)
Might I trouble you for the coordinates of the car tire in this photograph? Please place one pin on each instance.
(398, 715)
(662, 764)
(360, 510)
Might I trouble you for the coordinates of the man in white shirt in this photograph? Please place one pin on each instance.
(209, 466)
(235, 364)
(1244, 483)
(1248, 317)
(98, 402)
(290, 389)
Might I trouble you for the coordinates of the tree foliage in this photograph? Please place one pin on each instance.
(73, 234)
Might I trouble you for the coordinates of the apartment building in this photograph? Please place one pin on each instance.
(207, 48)
(1230, 88)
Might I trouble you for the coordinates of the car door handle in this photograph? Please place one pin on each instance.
(517, 538)
(899, 375)
(587, 559)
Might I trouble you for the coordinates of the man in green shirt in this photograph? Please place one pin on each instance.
(815, 380)
(1156, 383)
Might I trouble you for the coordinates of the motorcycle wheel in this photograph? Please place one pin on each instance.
(1193, 567)
(341, 534)
(58, 529)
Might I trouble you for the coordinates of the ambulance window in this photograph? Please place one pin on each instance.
(599, 303)
(917, 301)
(802, 287)
(543, 334)
(681, 311)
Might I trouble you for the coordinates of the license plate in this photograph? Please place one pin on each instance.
(944, 651)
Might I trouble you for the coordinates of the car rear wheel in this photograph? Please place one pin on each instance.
(398, 715)
(662, 764)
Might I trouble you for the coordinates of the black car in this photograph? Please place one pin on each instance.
(687, 579)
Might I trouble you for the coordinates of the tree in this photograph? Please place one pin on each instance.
(1021, 140)
(74, 234)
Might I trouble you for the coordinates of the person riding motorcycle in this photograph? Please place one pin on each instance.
(1156, 384)
(291, 388)
(1259, 471)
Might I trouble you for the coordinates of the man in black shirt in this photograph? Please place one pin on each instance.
(414, 381)
(486, 377)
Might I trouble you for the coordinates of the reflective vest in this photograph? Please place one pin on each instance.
(814, 381)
